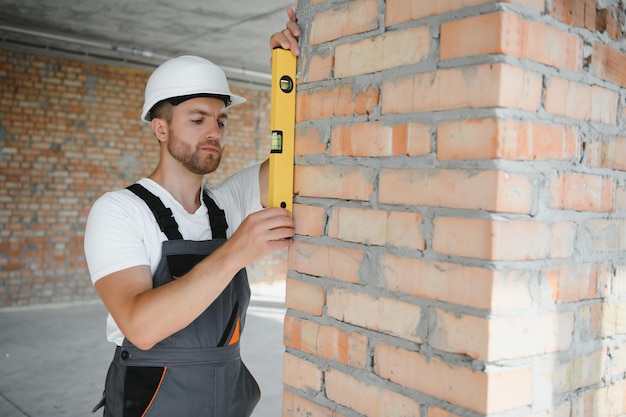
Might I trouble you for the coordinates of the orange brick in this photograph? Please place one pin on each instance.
(494, 339)
(469, 388)
(380, 139)
(392, 317)
(506, 139)
(305, 296)
(580, 101)
(609, 63)
(349, 224)
(318, 67)
(301, 374)
(570, 12)
(608, 401)
(509, 34)
(604, 235)
(617, 359)
(390, 50)
(383, 227)
(480, 288)
(296, 406)
(613, 318)
(583, 192)
(345, 182)
(309, 141)
(309, 220)
(322, 261)
(348, 348)
(582, 281)
(404, 230)
(502, 240)
(609, 154)
(330, 101)
(608, 20)
(579, 372)
(481, 190)
(367, 399)
(346, 19)
(438, 412)
(401, 11)
(487, 85)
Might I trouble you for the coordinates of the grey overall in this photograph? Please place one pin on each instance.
(197, 371)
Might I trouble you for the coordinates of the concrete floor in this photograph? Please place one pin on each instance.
(53, 360)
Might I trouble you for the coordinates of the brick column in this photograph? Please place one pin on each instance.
(460, 211)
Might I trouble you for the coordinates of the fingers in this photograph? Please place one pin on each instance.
(288, 37)
(275, 223)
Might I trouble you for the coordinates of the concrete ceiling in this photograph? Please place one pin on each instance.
(143, 33)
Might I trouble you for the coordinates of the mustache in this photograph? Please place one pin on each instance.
(214, 142)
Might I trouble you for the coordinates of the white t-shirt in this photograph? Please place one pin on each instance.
(122, 231)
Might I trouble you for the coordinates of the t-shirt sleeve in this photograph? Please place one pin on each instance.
(113, 236)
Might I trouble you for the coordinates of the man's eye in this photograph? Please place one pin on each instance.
(197, 121)
(222, 125)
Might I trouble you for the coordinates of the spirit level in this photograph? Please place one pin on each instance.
(282, 121)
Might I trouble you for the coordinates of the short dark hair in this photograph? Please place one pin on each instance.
(163, 109)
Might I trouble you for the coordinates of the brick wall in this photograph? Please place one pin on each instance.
(70, 131)
(461, 211)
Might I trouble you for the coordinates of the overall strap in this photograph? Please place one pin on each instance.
(217, 217)
(163, 215)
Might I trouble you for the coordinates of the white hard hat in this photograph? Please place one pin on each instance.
(185, 76)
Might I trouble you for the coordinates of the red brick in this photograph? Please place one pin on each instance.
(609, 154)
(506, 139)
(502, 240)
(305, 296)
(390, 50)
(573, 12)
(392, 317)
(309, 220)
(366, 398)
(609, 64)
(581, 101)
(319, 67)
(479, 288)
(309, 141)
(604, 235)
(347, 348)
(578, 282)
(340, 100)
(469, 388)
(499, 338)
(608, 20)
(510, 34)
(301, 374)
(296, 406)
(401, 11)
(344, 20)
(335, 181)
(380, 139)
(318, 260)
(583, 192)
(481, 190)
(492, 85)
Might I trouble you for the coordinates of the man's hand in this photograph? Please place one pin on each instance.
(260, 234)
(288, 37)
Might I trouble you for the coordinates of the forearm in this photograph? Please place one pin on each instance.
(148, 315)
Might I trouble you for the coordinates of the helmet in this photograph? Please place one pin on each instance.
(186, 75)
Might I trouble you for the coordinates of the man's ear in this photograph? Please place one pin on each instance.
(159, 128)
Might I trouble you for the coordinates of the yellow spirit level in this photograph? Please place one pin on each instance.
(282, 121)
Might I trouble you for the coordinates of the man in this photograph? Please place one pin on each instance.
(168, 258)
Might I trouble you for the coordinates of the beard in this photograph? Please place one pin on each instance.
(195, 160)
